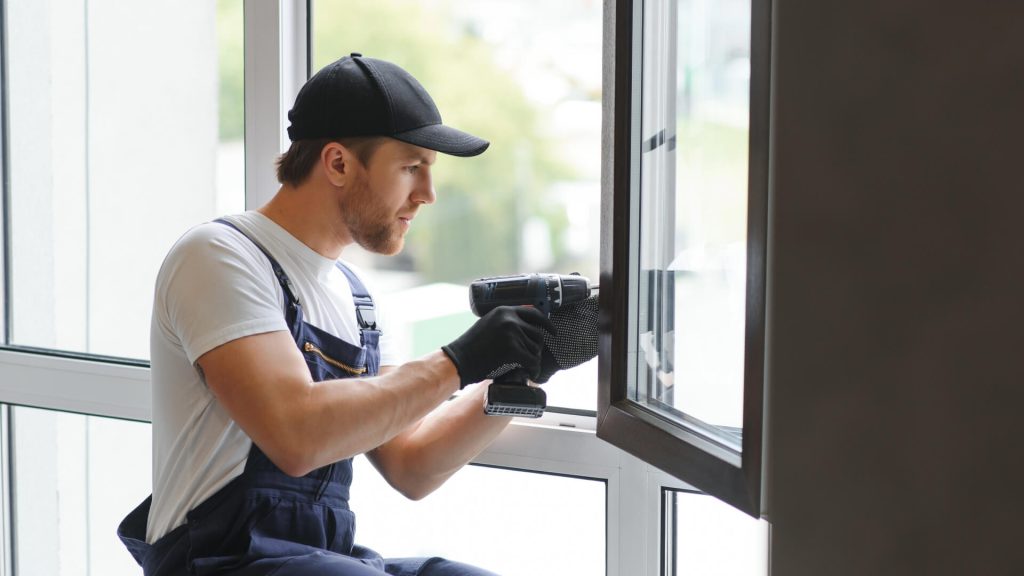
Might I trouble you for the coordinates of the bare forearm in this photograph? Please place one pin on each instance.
(338, 419)
(457, 432)
(422, 459)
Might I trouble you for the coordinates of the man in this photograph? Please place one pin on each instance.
(271, 364)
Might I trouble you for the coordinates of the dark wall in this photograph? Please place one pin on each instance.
(896, 289)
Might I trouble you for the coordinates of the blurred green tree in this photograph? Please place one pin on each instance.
(230, 63)
(474, 228)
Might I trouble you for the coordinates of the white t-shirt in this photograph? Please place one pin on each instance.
(216, 286)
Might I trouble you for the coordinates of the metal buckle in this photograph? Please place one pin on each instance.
(367, 317)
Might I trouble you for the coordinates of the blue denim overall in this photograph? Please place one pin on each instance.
(265, 522)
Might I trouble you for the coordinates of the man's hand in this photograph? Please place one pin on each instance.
(506, 336)
(576, 339)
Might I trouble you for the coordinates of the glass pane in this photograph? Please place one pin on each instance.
(714, 539)
(693, 212)
(121, 135)
(526, 75)
(510, 522)
(74, 478)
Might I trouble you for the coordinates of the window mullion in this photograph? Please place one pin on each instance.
(275, 67)
(7, 518)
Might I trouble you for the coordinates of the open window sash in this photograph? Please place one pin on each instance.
(684, 239)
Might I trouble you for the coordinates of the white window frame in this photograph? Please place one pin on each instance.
(276, 65)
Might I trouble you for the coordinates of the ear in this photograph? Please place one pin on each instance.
(338, 163)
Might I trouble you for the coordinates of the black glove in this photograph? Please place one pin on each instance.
(574, 343)
(506, 337)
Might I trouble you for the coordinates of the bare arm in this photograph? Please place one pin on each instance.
(263, 383)
(420, 459)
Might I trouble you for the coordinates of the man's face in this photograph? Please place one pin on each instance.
(386, 194)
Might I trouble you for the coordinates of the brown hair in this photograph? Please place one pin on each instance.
(294, 166)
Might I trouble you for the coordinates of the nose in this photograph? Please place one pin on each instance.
(423, 193)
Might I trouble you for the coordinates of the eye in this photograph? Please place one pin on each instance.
(412, 169)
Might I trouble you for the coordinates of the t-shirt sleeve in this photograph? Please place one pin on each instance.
(215, 286)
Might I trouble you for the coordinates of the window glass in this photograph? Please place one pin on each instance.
(526, 75)
(693, 205)
(74, 478)
(120, 137)
(713, 538)
(509, 522)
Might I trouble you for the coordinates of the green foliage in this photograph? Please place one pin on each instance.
(473, 230)
(712, 159)
(230, 63)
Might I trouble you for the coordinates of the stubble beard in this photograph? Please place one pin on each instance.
(370, 224)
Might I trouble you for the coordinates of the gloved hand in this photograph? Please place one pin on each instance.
(506, 337)
(574, 343)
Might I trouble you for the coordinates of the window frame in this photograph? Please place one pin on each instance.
(734, 477)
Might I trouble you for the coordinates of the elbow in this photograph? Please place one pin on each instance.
(416, 486)
(292, 461)
(293, 447)
(294, 467)
(416, 492)
(410, 484)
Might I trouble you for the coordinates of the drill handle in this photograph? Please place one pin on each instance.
(511, 395)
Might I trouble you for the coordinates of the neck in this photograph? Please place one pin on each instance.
(308, 213)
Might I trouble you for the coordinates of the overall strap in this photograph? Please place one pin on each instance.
(369, 334)
(365, 314)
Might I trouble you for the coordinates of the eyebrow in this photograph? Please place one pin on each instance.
(421, 157)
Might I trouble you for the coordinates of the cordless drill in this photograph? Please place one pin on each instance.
(510, 394)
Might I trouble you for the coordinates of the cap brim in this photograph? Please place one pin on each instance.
(444, 139)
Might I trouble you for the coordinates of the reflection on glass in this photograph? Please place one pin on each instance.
(121, 136)
(525, 75)
(74, 478)
(513, 523)
(714, 539)
(693, 210)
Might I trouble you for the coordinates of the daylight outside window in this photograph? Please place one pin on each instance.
(512, 522)
(710, 538)
(120, 137)
(74, 477)
(525, 75)
(692, 254)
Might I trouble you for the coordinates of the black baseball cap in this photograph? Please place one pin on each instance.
(360, 96)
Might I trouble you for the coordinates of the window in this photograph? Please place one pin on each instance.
(525, 75)
(63, 265)
(72, 484)
(119, 137)
(705, 536)
(508, 521)
(686, 222)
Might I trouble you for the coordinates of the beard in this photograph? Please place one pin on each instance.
(372, 225)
